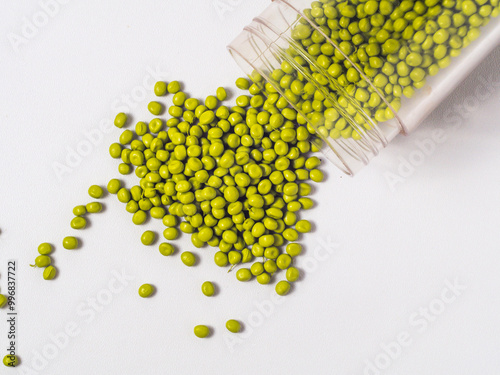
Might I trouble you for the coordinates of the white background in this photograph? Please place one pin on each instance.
(397, 246)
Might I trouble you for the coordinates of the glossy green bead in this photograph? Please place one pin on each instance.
(208, 289)
(79, 210)
(78, 222)
(93, 207)
(115, 150)
(173, 87)
(257, 268)
(221, 259)
(316, 175)
(242, 84)
(70, 243)
(45, 248)
(124, 169)
(233, 326)
(171, 234)
(469, 7)
(270, 266)
(123, 195)
(283, 261)
(42, 261)
(266, 240)
(290, 234)
(201, 331)
(221, 94)
(148, 237)
(166, 249)
(205, 234)
(282, 288)
(139, 217)
(155, 108)
(120, 120)
(243, 274)
(188, 258)
(146, 290)
(114, 186)
(160, 88)
(292, 274)
(49, 273)
(95, 191)
(306, 203)
(294, 249)
(263, 278)
(303, 226)
(234, 257)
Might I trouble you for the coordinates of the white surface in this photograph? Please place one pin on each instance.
(396, 247)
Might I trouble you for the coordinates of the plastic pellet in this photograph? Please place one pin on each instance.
(174, 87)
(188, 258)
(242, 83)
(292, 274)
(93, 207)
(78, 223)
(243, 274)
(120, 120)
(49, 273)
(79, 210)
(221, 94)
(45, 248)
(114, 186)
(160, 88)
(96, 191)
(155, 108)
(208, 289)
(146, 290)
(283, 288)
(42, 261)
(148, 237)
(166, 249)
(233, 326)
(70, 243)
(201, 331)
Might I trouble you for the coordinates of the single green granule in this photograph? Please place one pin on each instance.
(146, 290)
(148, 237)
(45, 248)
(201, 331)
(49, 273)
(208, 288)
(188, 258)
(70, 243)
(233, 326)
(96, 191)
(120, 120)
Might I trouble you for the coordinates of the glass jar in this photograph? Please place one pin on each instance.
(361, 72)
